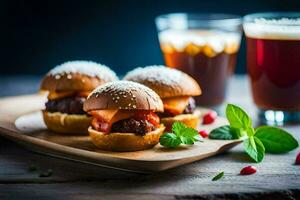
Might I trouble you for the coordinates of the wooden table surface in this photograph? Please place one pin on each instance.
(277, 176)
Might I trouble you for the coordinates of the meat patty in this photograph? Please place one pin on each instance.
(139, 127)
(69, 105)
(189, 109)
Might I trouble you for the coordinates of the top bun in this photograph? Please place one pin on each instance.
(166, 82)
(123, 95)
(77, 76)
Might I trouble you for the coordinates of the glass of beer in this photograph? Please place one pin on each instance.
(204, 46)
(273, 62)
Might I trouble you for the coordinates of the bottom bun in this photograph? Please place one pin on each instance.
(67, 123)
(190, 120)
(125, 141)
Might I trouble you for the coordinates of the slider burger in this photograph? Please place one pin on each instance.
(68, 85)
(176, 90)
(124, 116)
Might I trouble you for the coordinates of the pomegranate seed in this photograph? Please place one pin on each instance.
(209, 117)
(203, 133)
(248, 170)
(298, 159)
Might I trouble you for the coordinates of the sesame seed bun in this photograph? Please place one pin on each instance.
(125, 141)
(166, 82)
(123, 95)
(67, 123)
(77, 76)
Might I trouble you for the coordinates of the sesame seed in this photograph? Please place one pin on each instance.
(57, 77)
(155, 74)
(88, 68)
(69, 76)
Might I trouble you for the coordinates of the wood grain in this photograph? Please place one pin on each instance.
(30, 131)
(277, 176)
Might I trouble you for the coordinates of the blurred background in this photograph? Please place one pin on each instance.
(37, 35)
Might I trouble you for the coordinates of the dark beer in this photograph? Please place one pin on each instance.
(273, 60)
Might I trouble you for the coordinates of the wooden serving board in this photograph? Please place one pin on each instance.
(21, 121)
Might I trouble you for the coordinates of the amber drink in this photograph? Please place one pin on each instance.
(203, 47)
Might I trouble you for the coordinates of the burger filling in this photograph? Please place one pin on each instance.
(67, 102)
(138, 122)
(139, 127)
(178, 105)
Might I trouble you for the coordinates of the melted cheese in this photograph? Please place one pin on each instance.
(111, 116)
(58, 95)
(176, 105)
(83, 94)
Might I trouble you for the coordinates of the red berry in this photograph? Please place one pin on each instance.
(248, 170)
(203, 133)
(209, 117)
(298, 159)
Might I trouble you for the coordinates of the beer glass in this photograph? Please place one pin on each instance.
(273, 62)
(204, 46)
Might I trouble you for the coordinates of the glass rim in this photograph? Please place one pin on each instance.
(273, 25)
(208, 18)
(277, 14)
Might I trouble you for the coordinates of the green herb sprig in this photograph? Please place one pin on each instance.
(181, 134)
(256, 141)
(218, 176)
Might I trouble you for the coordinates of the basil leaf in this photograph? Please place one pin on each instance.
(239, 133)
(218, 176)
(169, 140)
(189, 135)
(276, 140)
(221, 133)
(254, 148)
(237, 117)
(226, 133)
(250, 131)
(182, 135)
(178, 127)
(189, 132)
(186, 134)
(187, 140)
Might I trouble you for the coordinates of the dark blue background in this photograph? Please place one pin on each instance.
(37, 35)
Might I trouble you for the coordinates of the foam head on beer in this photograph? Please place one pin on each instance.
(208, 42)
(283, 28)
